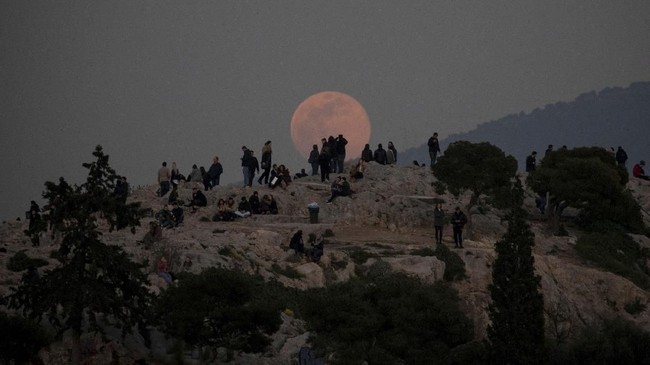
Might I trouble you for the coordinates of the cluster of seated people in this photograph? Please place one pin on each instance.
(340, 187)
(314, 253)
(228, 211)
(170, 218)
(280, 176)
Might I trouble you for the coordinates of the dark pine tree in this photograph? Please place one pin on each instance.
(96, 283)
(516, 334)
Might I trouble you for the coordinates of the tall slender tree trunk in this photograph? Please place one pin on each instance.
(75, 358)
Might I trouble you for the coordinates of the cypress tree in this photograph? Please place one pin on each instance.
(516, 334)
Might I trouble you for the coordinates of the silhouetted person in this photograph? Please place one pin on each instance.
(434, 148)
(458, 221)
(531, 161)
(621, 156)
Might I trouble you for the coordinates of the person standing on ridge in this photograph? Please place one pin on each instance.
(340, 150)
(267, 153)
(313, 160)
(621, 156)
(438, 222)
(531, 161)
(434, 148)
(164, 175)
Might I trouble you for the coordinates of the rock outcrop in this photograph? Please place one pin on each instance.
(390, 215)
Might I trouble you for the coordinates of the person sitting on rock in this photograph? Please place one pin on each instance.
(198, 199)
(340, 187)
(638, 171)
(300, 174)
(165, 218)
(265, 204)
(296, 243)
(173, 196)
(178, 214)
(162, 269)
(273, 205)
(356, 172)
(317, 247)
(152, 236)
(244, 208)
(254, 202)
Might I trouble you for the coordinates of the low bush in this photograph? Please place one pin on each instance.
(386, 318)
(617, 252)
(20, 339)
(20, 262)
(454, 265)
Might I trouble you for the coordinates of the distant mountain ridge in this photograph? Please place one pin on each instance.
(612, 117)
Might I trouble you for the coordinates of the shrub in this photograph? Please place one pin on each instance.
(454, 265)
(222, 308)
(617, 252)
(20, 339)
(635, 306)
(20, 261)
(359, 256)
(385, 318)
(426, 251)
(615, 341)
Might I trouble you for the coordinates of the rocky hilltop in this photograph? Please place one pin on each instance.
(389, 216)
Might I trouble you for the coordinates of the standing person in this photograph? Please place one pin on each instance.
(214, 173)
(195, 175)
(313, 160)
(175, 174)
(164, 175)
(391, 154)
(366, 154)
(253, 168)
(621, 156)
(245, 164)
(380, 155)
(458, 221)
(549, 149)
(334, 158)
(434, 148)
(267, 160)
(531, 161)
(324, 162)
(438, 222)
(340, 150)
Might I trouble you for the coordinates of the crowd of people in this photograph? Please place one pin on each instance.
(329, 159)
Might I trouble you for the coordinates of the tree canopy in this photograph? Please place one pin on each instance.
(480, 168)
(220, 308)
(588, 179)
(93, 277)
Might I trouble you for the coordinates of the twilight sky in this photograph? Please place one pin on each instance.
(186, 80)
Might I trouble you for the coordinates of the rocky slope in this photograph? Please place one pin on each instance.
(390, 215)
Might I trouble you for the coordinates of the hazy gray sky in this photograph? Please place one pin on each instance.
(185, 80)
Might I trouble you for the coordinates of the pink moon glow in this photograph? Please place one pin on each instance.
(330, 113)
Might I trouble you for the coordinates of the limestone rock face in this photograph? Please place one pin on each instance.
(390, 215)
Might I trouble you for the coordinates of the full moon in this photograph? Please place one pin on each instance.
(330, 113)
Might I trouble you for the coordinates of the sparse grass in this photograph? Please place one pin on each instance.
(225, 251)
(425, 251)
(328, 233)
(379, 245)
(338, 264)
(289, 272)
(635, 307)
(359, 256)
(218, 230)
(204, 219)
